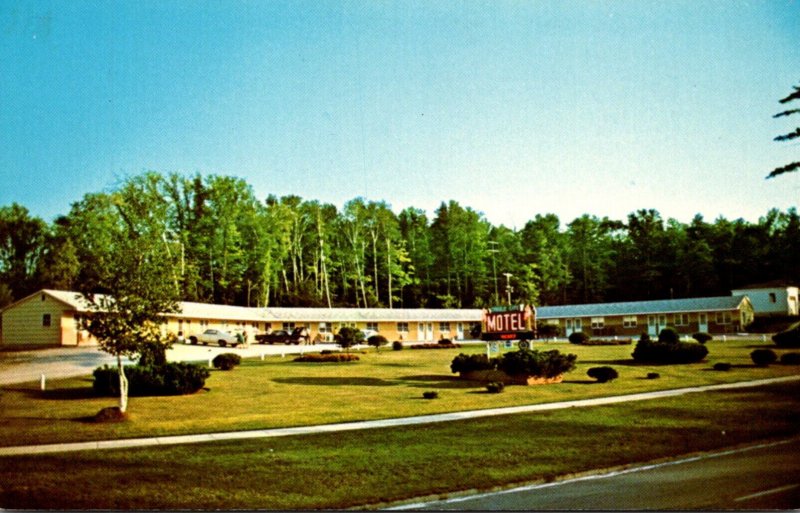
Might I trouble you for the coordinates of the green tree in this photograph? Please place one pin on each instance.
(21, 242)
(794, 166)
(138, 270)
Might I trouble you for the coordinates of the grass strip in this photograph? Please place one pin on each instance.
(277, 393)
(371, 467)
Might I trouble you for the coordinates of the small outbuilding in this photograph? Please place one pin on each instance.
(772, 298)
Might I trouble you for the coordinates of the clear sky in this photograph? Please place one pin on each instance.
(512, 108)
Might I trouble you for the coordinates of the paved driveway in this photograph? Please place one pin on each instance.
(64, 362)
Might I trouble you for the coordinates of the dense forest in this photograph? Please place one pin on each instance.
(227, 246)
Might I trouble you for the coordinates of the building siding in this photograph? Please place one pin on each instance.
(23, 324)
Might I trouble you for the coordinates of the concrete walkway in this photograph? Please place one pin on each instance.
(373, 424)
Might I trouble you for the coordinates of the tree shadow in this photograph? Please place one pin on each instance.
(354, 381)
(628, 363)
(581, 381)
(439, 381)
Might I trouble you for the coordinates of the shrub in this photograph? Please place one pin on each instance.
(763, 357)
(348, 337)
(377, 341)
(722, 366)
(790, 359)
(226, 361)
(545, 330)
(648, 351)
(578, 337)
(474, 362)
(495, 387)
(702, 337)
(176, 378)
(435, 346)
(153, 353)
(397, 345)
(789, 337)
(431, 394)
(653, 375)
(603, 374)
(608, 342)
(669, 335)
(528, 362)
(327, 358)
(445, 342)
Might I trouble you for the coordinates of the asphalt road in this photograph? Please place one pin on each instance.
(760, 477)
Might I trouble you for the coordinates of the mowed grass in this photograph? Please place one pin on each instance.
(374, 467)
(278, 392)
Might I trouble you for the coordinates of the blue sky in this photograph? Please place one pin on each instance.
(512, 108)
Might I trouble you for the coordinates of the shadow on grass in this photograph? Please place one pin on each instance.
(58, 394)
(364, 382)
(581, 381)
(439, 381)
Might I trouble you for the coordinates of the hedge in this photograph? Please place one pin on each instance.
(176, 378)
(449, 345)
(528, 362)
(325, 358)
(226, 361)
(607, 342)
(474, 362)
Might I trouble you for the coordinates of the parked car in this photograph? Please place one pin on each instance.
(297, 336)
(212, 336)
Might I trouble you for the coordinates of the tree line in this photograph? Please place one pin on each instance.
(217, 242)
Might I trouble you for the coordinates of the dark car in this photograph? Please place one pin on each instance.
(297, 336)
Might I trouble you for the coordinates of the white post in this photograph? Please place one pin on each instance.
(283, 355)
(262, 356)
(209, 362)
(763, 338)
(44, 383)
(724, 338)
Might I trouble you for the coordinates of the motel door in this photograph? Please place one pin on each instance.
(460, 331)
(573, 326)
(702, 322)
(424, 331)
(652, 326)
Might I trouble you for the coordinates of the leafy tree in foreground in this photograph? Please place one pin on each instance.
(139, 273)
(794, 166)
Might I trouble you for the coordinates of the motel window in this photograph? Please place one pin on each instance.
(402, 327)
(372, 326)
(288, 326)
(681, 319)
(629, 321)
(773, 298)
(323, 327)
(46, 320)
(598, 322)
(723, 317)
(444, 327)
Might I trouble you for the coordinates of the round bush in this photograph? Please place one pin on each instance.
(722, 366)
(603, 374)
(226, 361)
(763, 357)
(377, 341)
(669, 335)
(474, 362)
(495, 387)
(578, 337)
(431, 394)
(702, 337)
(397, 345)
(790, 359)
(528, 362)
(647, 351)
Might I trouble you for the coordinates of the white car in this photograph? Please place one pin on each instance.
(212, 336)
(368, 333)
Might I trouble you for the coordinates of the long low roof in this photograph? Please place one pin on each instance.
(290, 314)
(661, 306)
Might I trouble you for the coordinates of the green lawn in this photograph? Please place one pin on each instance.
(376, 466)
(279, 393)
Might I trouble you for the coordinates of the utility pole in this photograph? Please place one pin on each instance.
(509, 288)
